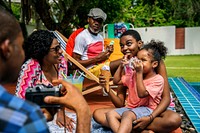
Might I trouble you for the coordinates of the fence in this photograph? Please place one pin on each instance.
(182, 41)
(179, 41)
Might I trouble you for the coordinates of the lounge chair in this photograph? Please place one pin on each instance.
(62, 39)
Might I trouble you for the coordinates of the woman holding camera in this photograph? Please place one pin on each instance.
(44, 63)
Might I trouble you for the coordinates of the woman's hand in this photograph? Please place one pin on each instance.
(102, 82)
(141, 123)
(125, 61)
(68, 122)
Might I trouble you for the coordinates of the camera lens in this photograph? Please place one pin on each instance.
(38, 88)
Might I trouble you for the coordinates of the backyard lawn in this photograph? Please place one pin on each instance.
(187, 66)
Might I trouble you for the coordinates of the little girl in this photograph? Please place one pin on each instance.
(145, 87)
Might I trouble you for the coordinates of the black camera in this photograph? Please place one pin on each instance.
(39, 92)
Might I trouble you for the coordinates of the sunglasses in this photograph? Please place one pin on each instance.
(56, 48)
(99, 20)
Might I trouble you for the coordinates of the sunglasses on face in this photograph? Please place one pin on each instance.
(99, 20)
(56, 48)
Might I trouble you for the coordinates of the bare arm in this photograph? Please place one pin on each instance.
(99, 58)
(118, 74)
(119, 99)
(166, 91)
(83, 119)
(141, 89)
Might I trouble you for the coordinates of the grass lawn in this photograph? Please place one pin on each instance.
(187, 66)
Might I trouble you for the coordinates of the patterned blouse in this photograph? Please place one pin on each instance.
(31, 75)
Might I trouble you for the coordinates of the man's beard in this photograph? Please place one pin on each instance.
(95, 32)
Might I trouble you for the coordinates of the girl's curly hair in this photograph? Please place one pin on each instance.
(38, 44)
(158, 50)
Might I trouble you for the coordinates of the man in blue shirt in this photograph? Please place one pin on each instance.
(18, 115)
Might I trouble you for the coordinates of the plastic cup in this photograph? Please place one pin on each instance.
(77, 81)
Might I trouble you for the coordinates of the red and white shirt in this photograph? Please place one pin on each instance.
(88, 45)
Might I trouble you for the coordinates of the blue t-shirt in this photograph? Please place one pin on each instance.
(20, 116)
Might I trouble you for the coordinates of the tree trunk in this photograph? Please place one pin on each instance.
(43, 9)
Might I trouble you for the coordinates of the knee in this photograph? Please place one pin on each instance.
(109, 114)
(96, 114)
(112, 115)
(175, 120)
(128, 114)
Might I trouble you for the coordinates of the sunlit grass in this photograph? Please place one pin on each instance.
(187, 66)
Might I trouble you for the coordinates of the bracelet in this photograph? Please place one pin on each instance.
(151, 117)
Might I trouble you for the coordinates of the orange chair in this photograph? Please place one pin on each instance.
(117, 54)
(113, 32)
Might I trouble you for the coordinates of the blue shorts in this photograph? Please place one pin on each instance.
(139, 111)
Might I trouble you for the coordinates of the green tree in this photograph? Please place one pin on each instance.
(149, 13)
(67, 14)
(186, 11)
(64, 15)
(16, 9)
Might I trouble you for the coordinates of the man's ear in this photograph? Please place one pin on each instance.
(5, 49)
(140, 43)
